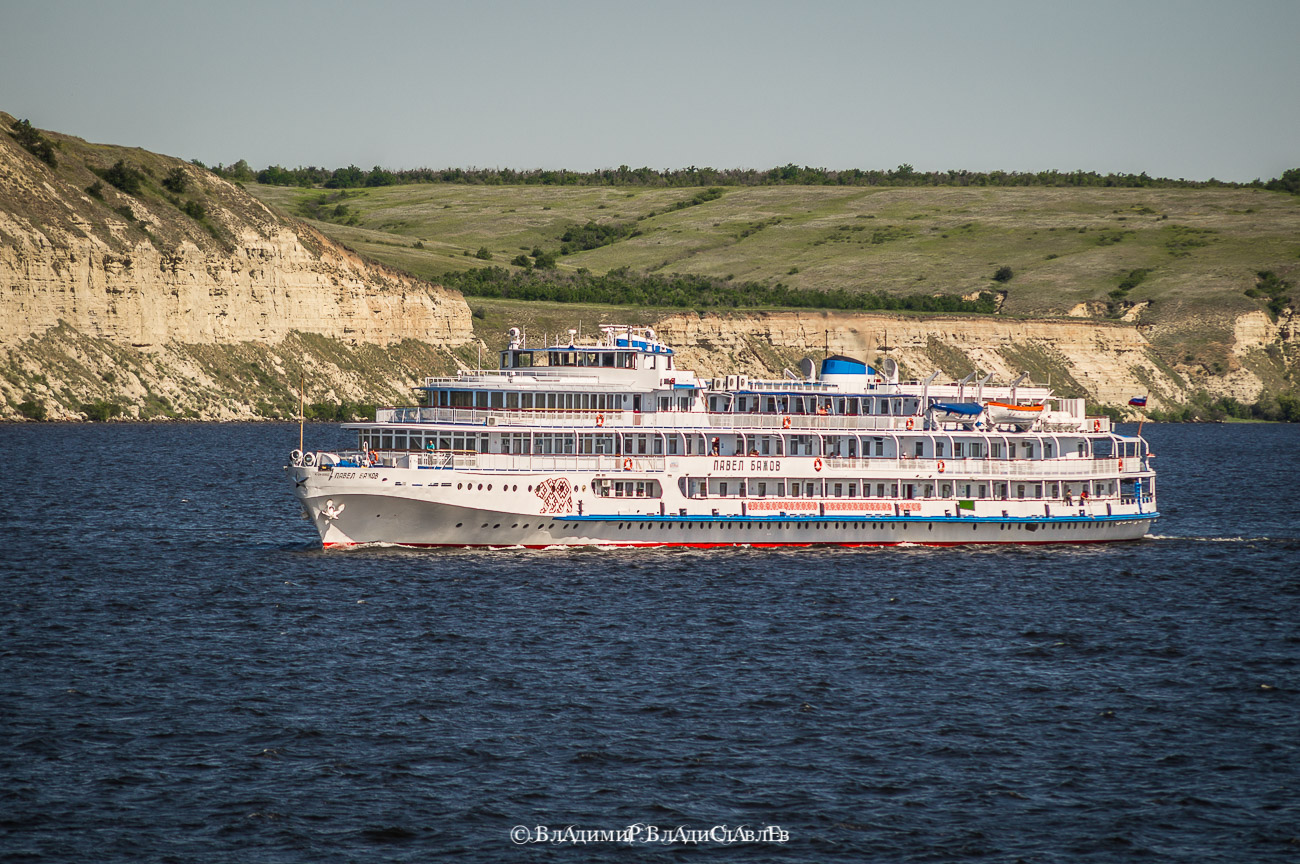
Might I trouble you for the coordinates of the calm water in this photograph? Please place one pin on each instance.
(185, 676)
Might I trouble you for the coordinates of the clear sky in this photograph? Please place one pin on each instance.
(1176, 88)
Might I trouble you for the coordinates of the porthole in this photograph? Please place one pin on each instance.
(484, 525)
(480, 487)
(530, 487)
(489, 487)
(516, 525)
(525, 525)
(498, 525)
(458, 524)
(458, 485)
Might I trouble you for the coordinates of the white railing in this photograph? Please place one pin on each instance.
(1028, 468)
(617, 418)
(504, 462)
(581, 377)
(621, 419)
(802, 465)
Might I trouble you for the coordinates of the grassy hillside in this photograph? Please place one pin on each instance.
(163, 200)
(1187, 255)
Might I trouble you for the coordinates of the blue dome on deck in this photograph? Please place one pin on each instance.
(841, 365)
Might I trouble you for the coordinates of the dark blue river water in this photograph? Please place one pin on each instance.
(185, 676)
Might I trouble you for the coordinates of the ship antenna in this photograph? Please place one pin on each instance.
(302, 402)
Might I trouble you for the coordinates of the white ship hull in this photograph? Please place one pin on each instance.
(351, 512)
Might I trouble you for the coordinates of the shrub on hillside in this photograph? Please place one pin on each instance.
(176, 181)
(32, 409)
(623, 287)
(1273, 289)
(123, 176)
(100, 410)
(593, 236)
(31, 140)
(1288, 182)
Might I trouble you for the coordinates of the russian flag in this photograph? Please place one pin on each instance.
(1138, 401)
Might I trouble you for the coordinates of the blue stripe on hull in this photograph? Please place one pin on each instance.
(911, 520)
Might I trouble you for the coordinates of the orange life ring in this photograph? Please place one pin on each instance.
(817, 464)
(374, 457)
(785, 423)
(941, 466)
(1096, 425)
(600, 419)
(909, 424)
(1121, 464)
(627, 464)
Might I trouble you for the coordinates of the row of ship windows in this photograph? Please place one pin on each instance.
(648, 444)
(816, 488)
(794, 526)
(824, 405)
(713, 488)
(549, 401)
(819, 526)
(593, 401)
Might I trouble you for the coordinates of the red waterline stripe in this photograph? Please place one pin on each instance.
(638, 545)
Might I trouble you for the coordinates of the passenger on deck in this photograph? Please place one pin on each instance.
(716, 449)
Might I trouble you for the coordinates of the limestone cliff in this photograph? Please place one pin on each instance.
(1107, 363)
(144, 299)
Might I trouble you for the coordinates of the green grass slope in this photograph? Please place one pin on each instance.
(1197, 251)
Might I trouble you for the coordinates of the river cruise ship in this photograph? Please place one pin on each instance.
(613, 444)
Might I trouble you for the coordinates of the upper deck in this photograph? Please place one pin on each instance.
(630, 379)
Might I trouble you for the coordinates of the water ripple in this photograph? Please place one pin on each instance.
(185, 675)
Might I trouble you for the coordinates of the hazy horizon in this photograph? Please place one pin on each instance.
(1193, 90)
